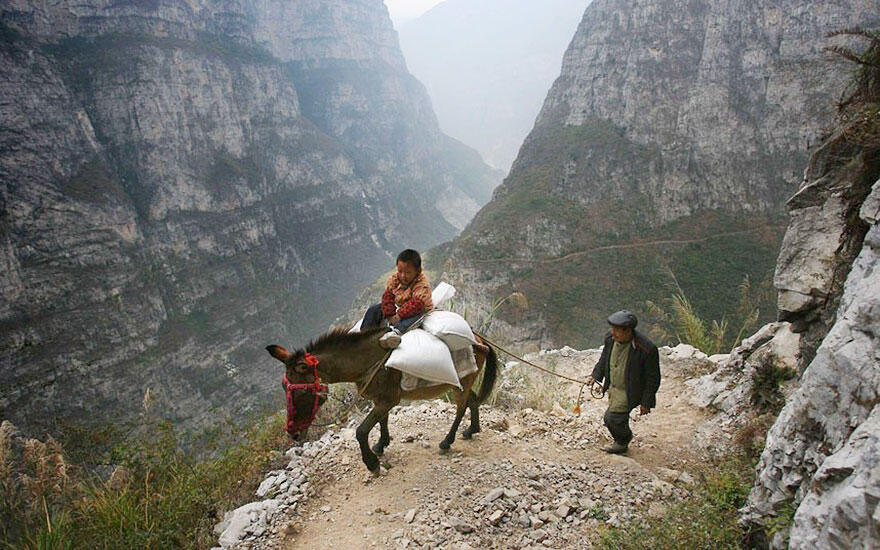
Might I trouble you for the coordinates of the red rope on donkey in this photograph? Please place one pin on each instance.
(296, 427)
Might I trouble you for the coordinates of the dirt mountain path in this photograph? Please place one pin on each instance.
(640, 244)
(531, 478)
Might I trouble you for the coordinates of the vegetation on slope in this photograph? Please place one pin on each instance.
(578, 248)
(159, 494)
(706, 519)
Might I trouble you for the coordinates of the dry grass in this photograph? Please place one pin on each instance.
(681, 323)
(521, 386)
(859, 110)
(159, 495)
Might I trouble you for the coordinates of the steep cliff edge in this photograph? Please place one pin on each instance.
(671, 140)
(185, 182)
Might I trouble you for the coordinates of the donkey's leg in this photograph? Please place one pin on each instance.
(474, 405)
(363, 435)
(384, 436)
(461, 402)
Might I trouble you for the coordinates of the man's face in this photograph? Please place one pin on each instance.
(621, 334)
(406, 272)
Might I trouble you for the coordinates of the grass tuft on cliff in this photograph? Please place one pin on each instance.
(859, 110)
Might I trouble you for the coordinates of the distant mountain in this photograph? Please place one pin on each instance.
(185, 182)
(671, 141)
(487, 65)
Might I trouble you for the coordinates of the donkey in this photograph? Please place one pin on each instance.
(342, 356)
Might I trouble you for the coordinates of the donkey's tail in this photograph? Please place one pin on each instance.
(490, 373)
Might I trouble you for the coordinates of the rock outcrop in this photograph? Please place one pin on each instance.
(746, 391)
(825, 234)
(183, 183)
(671, 140)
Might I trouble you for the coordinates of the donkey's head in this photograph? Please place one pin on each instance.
(302, 384)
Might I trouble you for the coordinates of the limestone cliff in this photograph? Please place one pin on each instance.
(184, 182)
(818, 479)
(817, 482)
(822, 456)
(671, 140)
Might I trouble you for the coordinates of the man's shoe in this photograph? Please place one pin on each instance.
(616, 449)
(390, 339)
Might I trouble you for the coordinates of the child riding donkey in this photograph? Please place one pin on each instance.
(406, 299)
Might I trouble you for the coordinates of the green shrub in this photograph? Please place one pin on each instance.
(766, 395)
(783, 519)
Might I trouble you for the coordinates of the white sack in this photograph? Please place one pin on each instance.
(441, 293)
(451, 328)
(423, 355)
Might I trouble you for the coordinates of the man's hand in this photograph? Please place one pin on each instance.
(643, 410)
(590, 381)
(393, 320)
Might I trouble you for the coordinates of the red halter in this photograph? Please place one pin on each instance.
(294, 427)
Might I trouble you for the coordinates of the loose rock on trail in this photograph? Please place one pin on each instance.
(531, 478)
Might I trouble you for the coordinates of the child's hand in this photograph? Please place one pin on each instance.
(394, 320)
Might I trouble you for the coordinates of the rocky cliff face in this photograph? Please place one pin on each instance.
(817, 480)
(822, 457)
(671, 140)
(819, 474)
(186, 182)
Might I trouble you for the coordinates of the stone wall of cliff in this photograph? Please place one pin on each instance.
(670, 141)
(186, 182)
(818, 479)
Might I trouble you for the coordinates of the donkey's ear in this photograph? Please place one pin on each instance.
(278, 352)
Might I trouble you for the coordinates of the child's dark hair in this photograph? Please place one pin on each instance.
(410, 256)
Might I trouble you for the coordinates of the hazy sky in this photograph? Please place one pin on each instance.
(403, 10)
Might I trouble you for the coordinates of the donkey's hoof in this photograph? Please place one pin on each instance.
(444, 447)
(467, 434)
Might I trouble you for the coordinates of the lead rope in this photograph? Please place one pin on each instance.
(372, 373)
(596, 390)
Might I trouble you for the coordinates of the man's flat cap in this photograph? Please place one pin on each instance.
(623, 318)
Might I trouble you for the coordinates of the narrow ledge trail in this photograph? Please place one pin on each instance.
(531, 478)
(640, 244)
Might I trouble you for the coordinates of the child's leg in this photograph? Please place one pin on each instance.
(406, 323)
(373, 317)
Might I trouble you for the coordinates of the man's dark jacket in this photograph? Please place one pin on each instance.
(642, 370)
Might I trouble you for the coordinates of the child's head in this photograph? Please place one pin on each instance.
(409, 265)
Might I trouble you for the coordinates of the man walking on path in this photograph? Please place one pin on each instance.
(629, 370)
